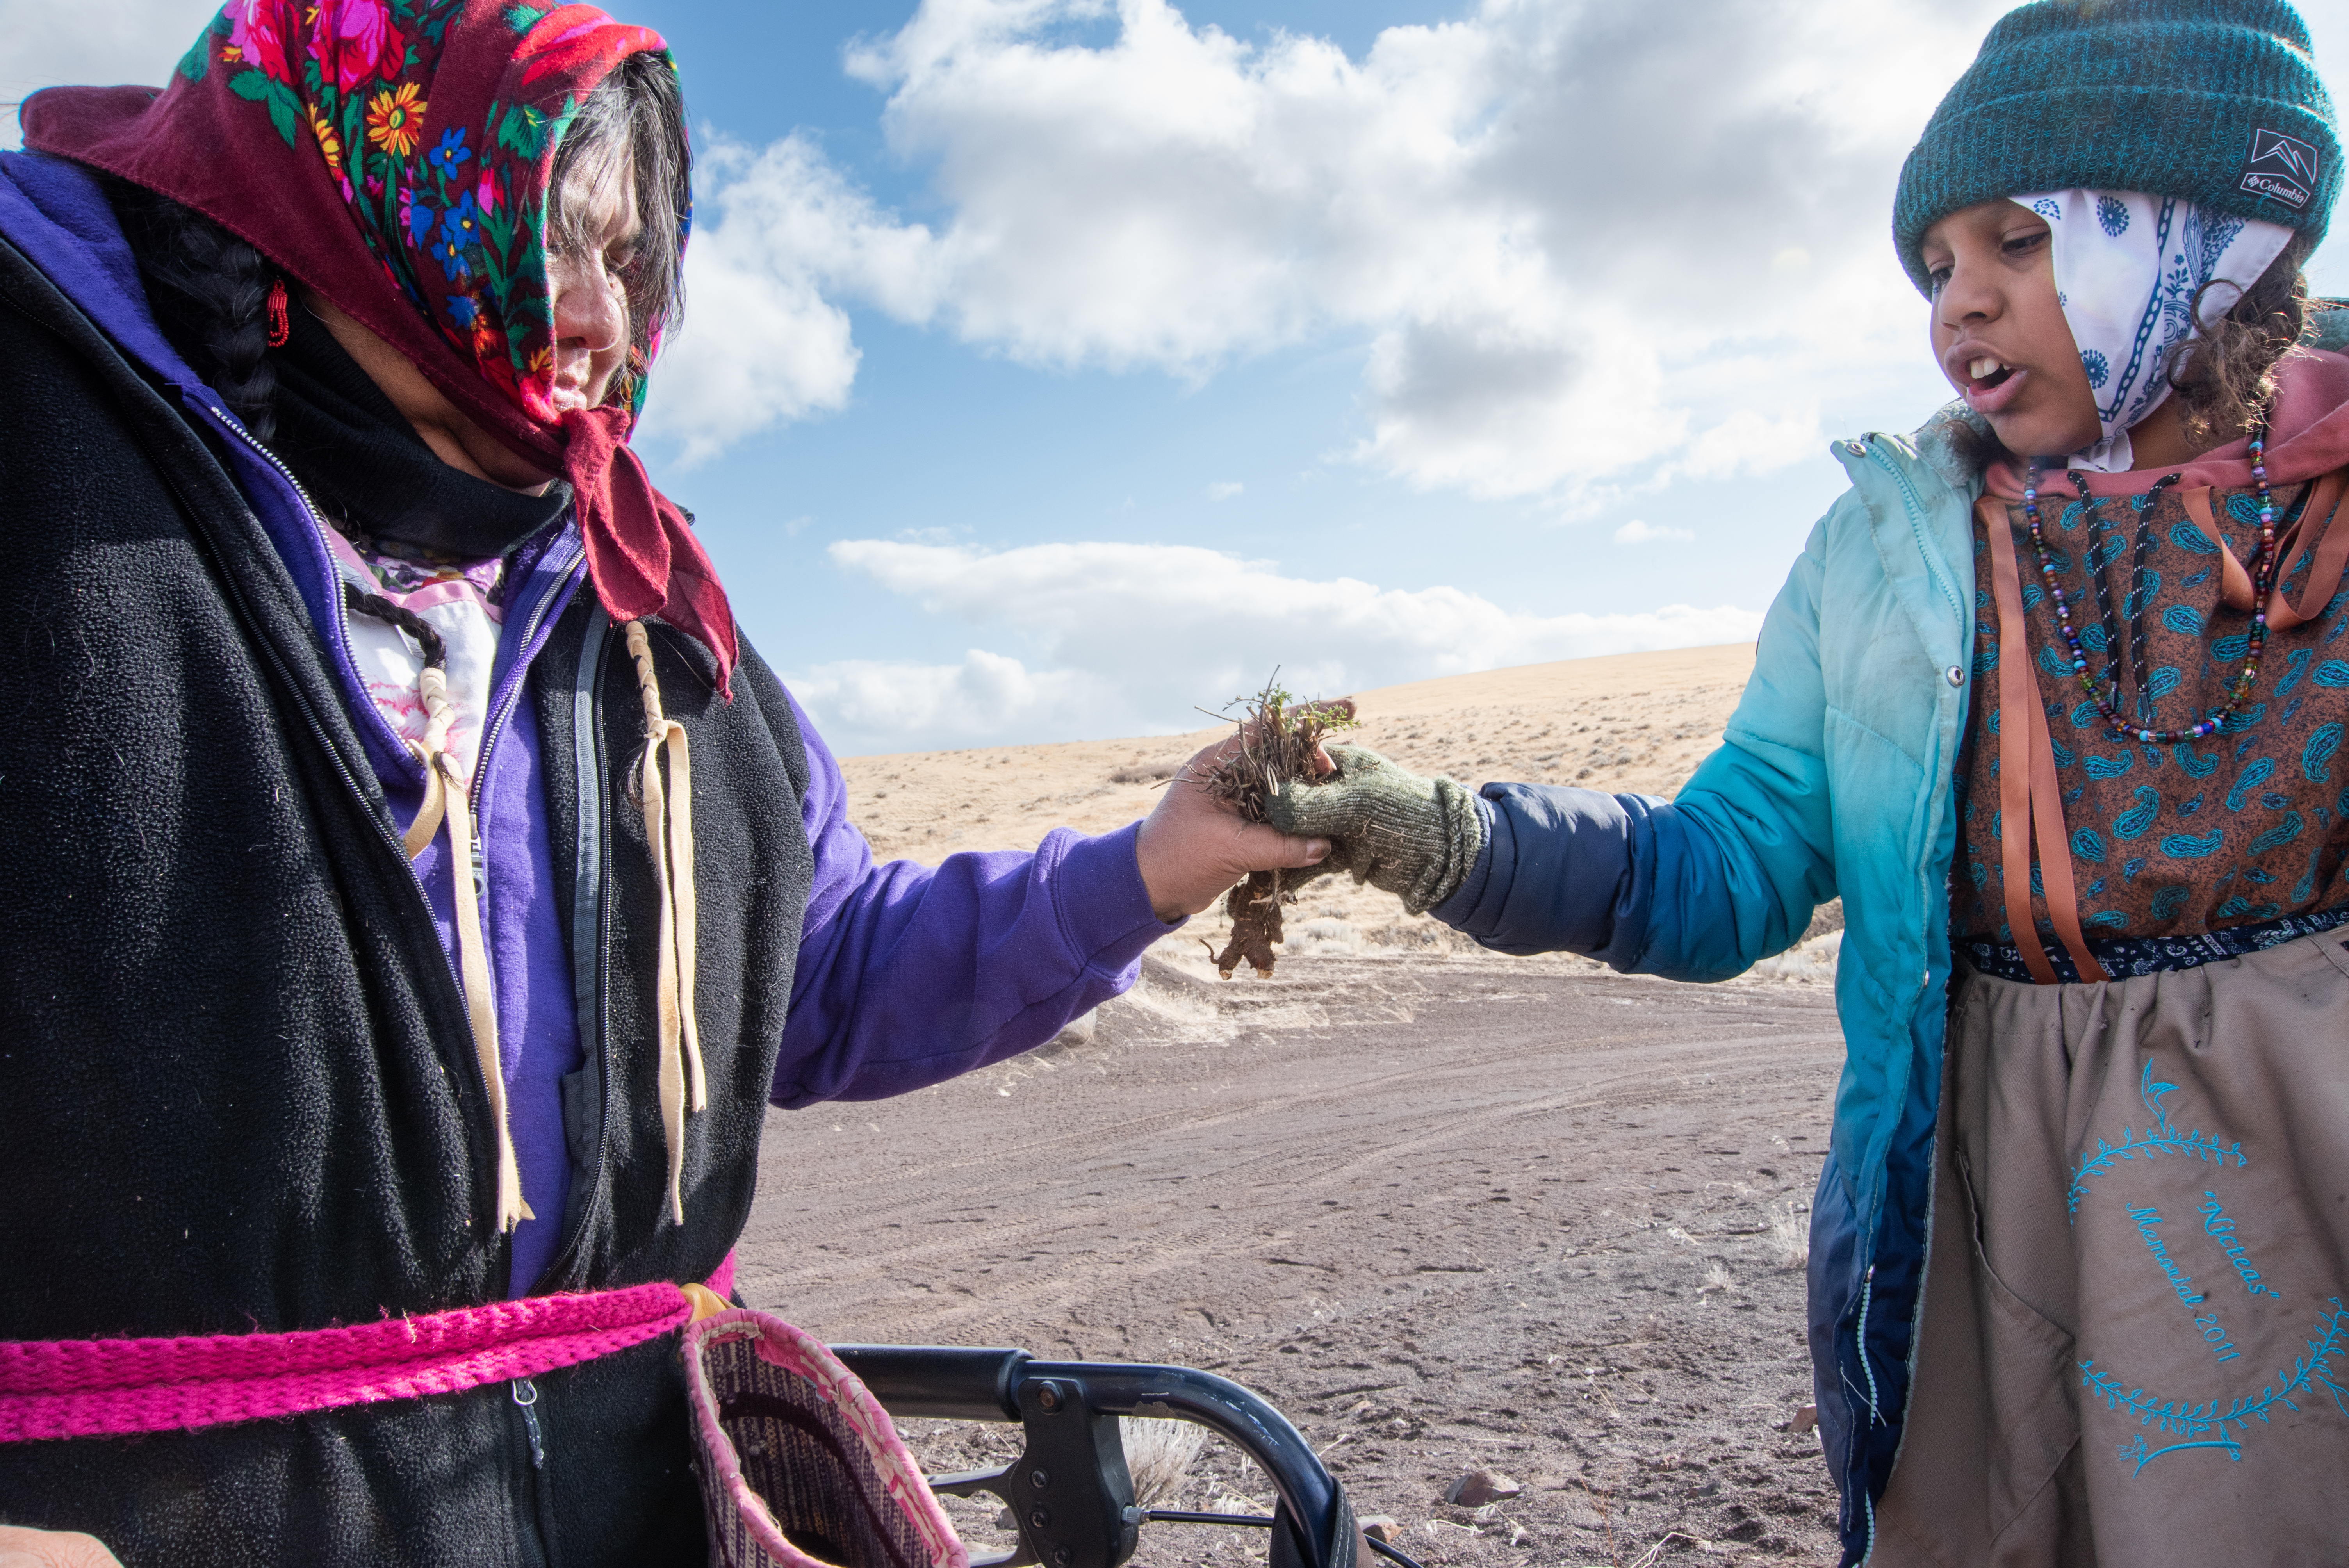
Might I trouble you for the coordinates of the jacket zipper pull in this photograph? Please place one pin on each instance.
(525, 1393)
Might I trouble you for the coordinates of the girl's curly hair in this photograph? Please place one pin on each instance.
(2225, 378)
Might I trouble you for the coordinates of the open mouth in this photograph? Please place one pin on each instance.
(1987, 372)
(1991, 384)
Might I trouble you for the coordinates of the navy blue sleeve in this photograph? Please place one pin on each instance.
(1577, 870)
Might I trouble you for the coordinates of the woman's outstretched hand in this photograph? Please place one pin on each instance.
(1194, 847)
(21, 1548)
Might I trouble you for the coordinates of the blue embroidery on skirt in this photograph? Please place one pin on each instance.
(2204, 1426)
(2164, 1138)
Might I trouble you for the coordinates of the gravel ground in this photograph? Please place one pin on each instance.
(1444, 1210)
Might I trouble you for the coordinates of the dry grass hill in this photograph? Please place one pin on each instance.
(1625, 722)
(1630, 721)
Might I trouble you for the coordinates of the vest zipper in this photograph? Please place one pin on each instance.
(566, 1250)
(493, 725)
(540, 1510)
(310, 515)
(390, 841)
(525, 1393)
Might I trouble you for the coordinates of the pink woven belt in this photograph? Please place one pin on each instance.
(113, 1388)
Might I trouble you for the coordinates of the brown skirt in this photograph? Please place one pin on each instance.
(2134, 1351)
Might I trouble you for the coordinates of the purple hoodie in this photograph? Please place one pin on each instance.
(907, 974)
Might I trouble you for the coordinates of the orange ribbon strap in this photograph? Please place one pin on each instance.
(2030, 803)
(2311, 533)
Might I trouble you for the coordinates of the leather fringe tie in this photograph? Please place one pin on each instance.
(2030, 801)
(445, 800)
(668, 830)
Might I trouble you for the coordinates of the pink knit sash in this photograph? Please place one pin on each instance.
(112, 1388)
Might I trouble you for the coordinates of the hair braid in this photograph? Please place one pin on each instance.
(210, 293)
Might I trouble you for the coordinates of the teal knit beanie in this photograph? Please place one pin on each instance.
(2216, 101)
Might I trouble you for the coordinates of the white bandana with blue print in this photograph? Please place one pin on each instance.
(2129, 269)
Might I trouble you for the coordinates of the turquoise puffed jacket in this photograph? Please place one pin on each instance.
(1836, 775)
(1839, 776)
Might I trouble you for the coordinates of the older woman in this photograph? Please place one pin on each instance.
(413, 889)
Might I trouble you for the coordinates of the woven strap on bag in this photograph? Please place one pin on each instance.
(114, 1388)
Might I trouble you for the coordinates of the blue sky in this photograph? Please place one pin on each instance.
(1055, 364)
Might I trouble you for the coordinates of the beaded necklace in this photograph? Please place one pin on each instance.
(2107, 699)
(2123, 641)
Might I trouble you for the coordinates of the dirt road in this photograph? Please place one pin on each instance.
(1443, 1212)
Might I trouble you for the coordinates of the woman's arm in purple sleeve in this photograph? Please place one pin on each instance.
(909, 974)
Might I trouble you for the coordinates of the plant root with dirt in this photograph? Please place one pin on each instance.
(1279, 745)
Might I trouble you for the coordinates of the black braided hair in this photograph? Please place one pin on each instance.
(375, 606)
(210, 293)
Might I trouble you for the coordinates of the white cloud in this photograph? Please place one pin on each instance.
(1751, 442)
(1641, 531)
(760, 344)
(867, 705)
(1591, 248)
(1126, 638)
(1225, 490)
(1586, 251)
(43, 43)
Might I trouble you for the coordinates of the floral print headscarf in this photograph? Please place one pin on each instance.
(395, 155)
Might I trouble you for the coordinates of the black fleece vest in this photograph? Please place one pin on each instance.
(237, 1089)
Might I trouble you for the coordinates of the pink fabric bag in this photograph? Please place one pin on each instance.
(801, 1467)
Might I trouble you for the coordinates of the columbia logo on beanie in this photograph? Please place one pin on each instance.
(2281, 166)
(2214, 101)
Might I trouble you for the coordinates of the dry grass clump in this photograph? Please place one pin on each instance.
(1279, 742)
(1790, 1234)
(1158, 1456)
(1280, 738)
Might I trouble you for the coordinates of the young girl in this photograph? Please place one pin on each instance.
(2064, 732)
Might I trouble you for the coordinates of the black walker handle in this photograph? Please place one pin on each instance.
(1089, 1518)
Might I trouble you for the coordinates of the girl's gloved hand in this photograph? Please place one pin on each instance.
(1416, 838)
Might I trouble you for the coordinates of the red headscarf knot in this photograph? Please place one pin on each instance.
(641, 550)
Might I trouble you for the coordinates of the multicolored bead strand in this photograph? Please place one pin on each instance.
(2107, 699)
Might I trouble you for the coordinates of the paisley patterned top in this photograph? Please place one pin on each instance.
(2248, 826)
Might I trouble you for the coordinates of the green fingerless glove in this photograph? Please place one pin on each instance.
(1414, 837)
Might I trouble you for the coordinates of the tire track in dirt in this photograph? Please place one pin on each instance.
(1304, 1173)
(1469, 1211)
(839, 1203)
